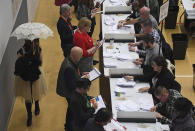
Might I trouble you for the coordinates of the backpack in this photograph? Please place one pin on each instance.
(27, 68)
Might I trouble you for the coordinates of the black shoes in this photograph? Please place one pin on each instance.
(95, 62)
(29, 113)
(37, 109)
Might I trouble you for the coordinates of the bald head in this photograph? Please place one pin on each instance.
(76, 54)
(144, 12)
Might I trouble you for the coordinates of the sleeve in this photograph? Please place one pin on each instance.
(141, 52)
(70, 78)
(80, 113)
(159, 105)
(165, 120)
(63, 31)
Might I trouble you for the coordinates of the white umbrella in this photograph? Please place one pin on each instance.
(31, 31)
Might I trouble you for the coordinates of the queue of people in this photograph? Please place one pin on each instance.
(78, 48)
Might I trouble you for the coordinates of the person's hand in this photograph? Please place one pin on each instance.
(95, 106)
(144, 89)
(131, 44)
(92, 50)
(153, 109)
(122, 21)
(128, 78)
(158, 115)
(132, 48)
(137, 62)
(119, 25)
(128, 3)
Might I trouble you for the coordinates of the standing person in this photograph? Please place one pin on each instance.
(84, 41)
(102, 118)
(80, 105)
(67, 77)
(86, 8)
(29, 81)
(65, 29)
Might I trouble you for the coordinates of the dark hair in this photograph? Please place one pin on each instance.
(147, 23)
(160, 61)
(103, 115)
(183, 104)
(83, 83)
(160, 90)
(148, 38)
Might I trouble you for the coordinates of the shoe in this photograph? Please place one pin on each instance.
(29, 121)
(37, 109)
(29, 114)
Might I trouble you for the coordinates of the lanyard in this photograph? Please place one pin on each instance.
(67, 22)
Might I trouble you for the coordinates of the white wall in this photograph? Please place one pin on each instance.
(32, 8)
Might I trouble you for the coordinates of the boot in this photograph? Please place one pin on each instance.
(37, 109)
(29, 113)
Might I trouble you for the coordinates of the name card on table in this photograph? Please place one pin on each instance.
(117, 73)
(118, 9)
(118, 37)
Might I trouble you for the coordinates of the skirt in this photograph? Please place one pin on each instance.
(23, 88)
(86, 64)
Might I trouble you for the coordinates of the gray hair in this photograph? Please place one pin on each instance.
(63, 8)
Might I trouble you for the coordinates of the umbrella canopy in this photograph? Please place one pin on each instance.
(32, 31)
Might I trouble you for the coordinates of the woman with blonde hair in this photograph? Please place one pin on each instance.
(86, 8)
(84, 41)
(29, 81)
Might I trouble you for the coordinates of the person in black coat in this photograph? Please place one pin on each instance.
(65, 29)
(102, 118)
(160, 76)
(80, 105)
(67, 77)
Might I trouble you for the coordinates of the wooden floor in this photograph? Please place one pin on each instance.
(53, 107)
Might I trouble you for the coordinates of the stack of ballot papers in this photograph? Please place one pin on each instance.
(117, 3)
(145, 104)
(110, 20)
(124, 83)
(127, 105)
(124, 57)
(144, 129)
(110, 65)
(109, 55)
(114, 126)
(99, 101)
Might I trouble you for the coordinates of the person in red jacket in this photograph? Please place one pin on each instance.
(84, 41)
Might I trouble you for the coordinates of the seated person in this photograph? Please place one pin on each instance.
(102, 118)
(151, 50)
(160, 76)
(144, 15)
(164, 109)
(146, 29)
(80, 106)
(182, 119)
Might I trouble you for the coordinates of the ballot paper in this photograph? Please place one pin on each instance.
(110, 65)
(114, 126)
(144, 129)
(93, 74)
(125, 57)
(127, 105)
(99, 101)
(124, 83)
(117, 3)
(145, 104)
(110, 20)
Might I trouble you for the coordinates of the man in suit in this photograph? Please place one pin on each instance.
(65, 29)
(67, 78)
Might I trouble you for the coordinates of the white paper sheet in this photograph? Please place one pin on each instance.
(127, 105)
(124, 83)
(99, 102)
(95, 73)
(110, 65)
(114, 125)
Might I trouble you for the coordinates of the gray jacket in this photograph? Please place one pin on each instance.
(67, 77)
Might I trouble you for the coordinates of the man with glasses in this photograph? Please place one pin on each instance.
(164, 110)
